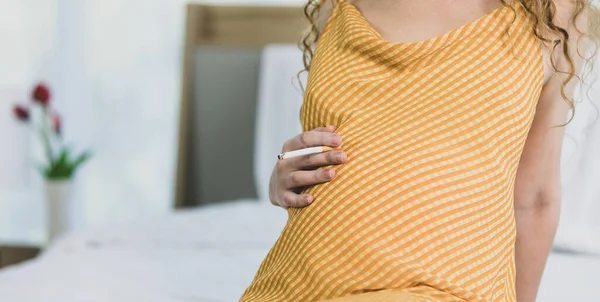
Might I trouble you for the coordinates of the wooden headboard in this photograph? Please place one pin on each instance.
(227, 26)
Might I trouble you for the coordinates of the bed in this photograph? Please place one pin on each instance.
(170, 259)
(210, 253)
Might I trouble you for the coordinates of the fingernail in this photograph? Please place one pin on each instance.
(308, 199)
(341, 157)
(336, 140)
(329, 174)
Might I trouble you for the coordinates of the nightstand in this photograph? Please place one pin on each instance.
(14, 254)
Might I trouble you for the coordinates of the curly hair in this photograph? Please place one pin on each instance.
(546, 30)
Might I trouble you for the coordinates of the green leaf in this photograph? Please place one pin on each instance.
(63, 158)
(83, 157)
(64, 166)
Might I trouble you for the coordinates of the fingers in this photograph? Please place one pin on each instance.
(296, 178)
(291, 173)
(329, 128)
(293, 200)
(290, 199)
(318, 160)
(308, 178)
(313, 138)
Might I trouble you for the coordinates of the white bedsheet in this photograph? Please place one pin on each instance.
(207, 254)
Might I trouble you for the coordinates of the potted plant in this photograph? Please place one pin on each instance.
(60, 162)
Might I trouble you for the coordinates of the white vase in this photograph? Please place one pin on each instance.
(59, 206)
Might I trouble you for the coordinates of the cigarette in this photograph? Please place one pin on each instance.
(305, 151)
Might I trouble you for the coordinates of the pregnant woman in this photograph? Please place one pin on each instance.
(446, 119)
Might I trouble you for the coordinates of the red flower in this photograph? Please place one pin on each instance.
(56, 123)
(41, 94)
(21, 112)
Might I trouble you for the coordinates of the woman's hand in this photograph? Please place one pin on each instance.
(291, 175)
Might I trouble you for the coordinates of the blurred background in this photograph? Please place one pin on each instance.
(173, 197)
(115, 71)
(114, 68)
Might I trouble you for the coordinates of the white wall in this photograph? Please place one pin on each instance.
(27, 44)
(25, 47)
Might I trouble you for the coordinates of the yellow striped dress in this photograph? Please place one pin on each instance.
(423, 208)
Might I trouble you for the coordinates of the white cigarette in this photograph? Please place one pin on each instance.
(305, 151)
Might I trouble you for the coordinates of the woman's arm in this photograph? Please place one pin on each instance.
(538, 192)
(538, 182)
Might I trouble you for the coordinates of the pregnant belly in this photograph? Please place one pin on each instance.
(390, 207)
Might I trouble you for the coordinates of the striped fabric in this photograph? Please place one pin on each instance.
(423, 208)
